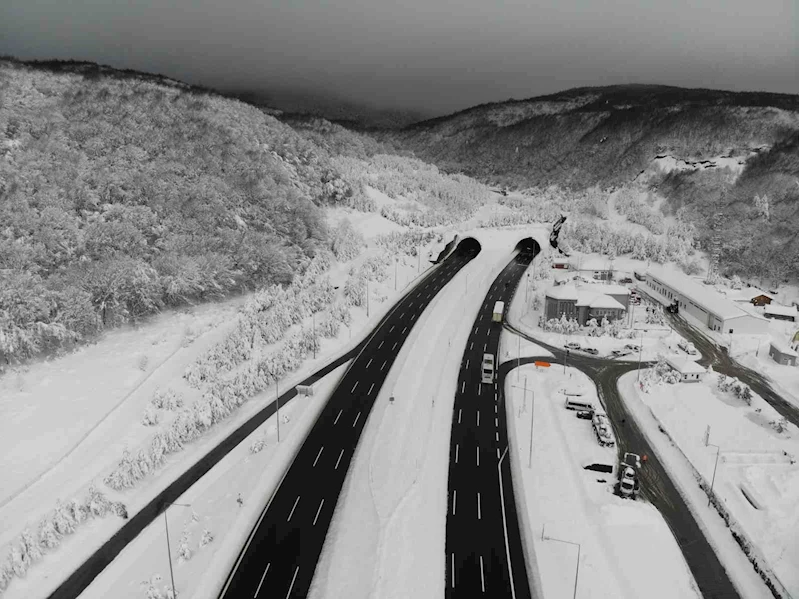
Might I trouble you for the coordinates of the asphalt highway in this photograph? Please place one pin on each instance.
(484, 555)
(281, 554)
(656, 484)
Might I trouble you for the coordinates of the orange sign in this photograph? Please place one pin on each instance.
(542, 364)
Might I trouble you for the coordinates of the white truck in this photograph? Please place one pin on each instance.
(487, 369)
(499, 309)
(628, 475)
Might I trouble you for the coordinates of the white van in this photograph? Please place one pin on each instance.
(577, 403)
(487, 368)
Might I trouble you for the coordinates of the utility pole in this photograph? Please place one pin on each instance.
(565, 359)
(313, 315)
(367, 297)
(518, 358)
(419, 260)
(532, 412)
(396, 262)
(713, 480)
(577, 569)
(640, 353)
(168, 549)
(277, 411)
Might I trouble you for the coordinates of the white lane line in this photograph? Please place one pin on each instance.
(318, 454)
(369, 362)
(339, 459)
(498, 456)
(454, 501)
(355, 385)
(481, 318)
(384, 365)
(356, 420)
(391, 329)
(453, 570)
(370, 389)
(479, 513)
(463, 386)
(478, 455)
(381, 344)
(497, 435)
(496, 422)
(403, 314)
(291, 586)
(296, 501)
(467, 364)
(482, 576)
(258, 590)
(478, 417)
(317, 512)
(339, 416)
(471, 345)
(495, 408)
(475, 330)
(485, 345)
(460, 413)
(496, 397)
(479, 389)
(394, 346)
(414, 315)
(457, 451)
(404, 329)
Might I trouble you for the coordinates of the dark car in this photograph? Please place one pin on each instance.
(626, 280)
(585, 414)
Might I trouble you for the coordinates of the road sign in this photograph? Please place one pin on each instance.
(542, 364)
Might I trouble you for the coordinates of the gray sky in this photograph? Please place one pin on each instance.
(435, 55)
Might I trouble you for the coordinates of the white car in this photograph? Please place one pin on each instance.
(627, 482)
(571, 345)
(633, 347)
(618, 353)
(687, 347)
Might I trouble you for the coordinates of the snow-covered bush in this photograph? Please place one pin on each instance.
(150, 416)
(405, 242)
(49, 537)
(167, 399)
(346, 242)
(63, 520)
(184, 550)
(206, 538)
(655, 315)
(257, 445)
(6, 574)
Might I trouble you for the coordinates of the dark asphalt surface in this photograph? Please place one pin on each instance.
(476, 551)
(721, 362)
(82, 577)
(281, 554)
(656, 484)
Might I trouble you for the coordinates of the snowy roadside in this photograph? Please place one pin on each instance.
(83, 465)
(566, 502)
(252, 476)
(683, 476)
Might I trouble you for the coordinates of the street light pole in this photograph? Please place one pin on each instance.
(367, 297)
(313, 315)
(168, 549)
(277, 400)
(396, 262)
(640, 353)
(532, 412)
(577, 568)
(518, 358)
(713, 480)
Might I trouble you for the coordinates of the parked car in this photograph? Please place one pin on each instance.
(618, 353)
(627, 482)
(602, 429)
(633, 347)
(626, 281)
(591, 350)
(571, 345)
(687, 347)
(585, 414)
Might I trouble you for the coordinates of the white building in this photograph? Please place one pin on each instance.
(703, 303)
(777, 312)
(689, 371)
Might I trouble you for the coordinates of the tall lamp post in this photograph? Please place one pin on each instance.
(168, 549)
(713, 480)
(577, 568)
(640, 353)
(396, 263)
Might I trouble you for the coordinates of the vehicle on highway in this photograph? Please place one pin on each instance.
(571, 345)
(602, 429)
(633, 347)
(499, 309)
(687, 347)
(488, 368)
(585, 414)
(582, 405)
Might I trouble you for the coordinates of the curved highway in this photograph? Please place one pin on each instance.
(656, 484)
(281, 554)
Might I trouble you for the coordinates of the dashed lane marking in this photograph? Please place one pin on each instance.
(353, 387)
(258, 590)
(317, 512)
(384, 365)
(339, 459)
(291, 586)
(337, 417)
(370, 389)
(294, 507)
(318, 454)
(356, 420)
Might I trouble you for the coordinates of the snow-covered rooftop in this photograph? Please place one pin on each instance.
(700, 294)
(604, 302)
(683, 365)
(783, 348)
(563, 292)
(606, 289)
(778, 310)
(592, 264)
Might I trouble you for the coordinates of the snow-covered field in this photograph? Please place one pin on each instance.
(757, 477)
(683, 475)
(566, 502)
(101, 392)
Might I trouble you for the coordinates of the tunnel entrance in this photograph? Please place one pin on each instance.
(469, 246)
(528, 245)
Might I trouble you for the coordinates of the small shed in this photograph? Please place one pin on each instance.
(761, 299)
(778, 312)
(689, 371)
(560, 263)
(781, 353)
